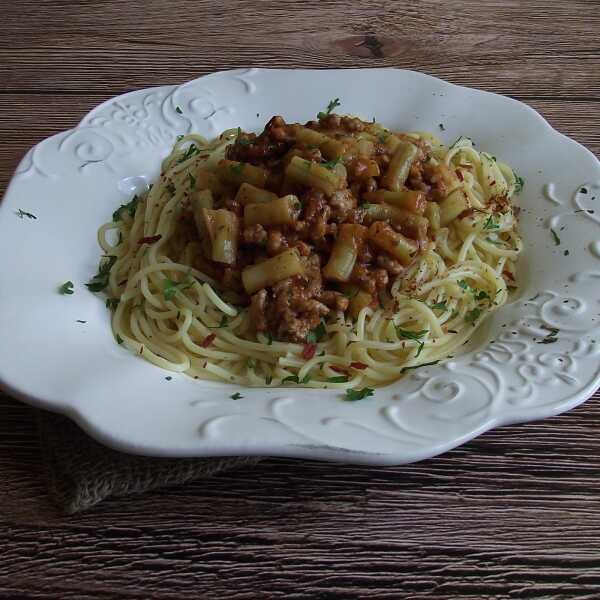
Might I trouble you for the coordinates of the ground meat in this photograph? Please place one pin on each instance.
(255, 234)
(276, 242)
(232, 279)
(296, 306)
(233, 205)
(439, 179)
(291, 308)
(316, 214)
(332, 121)
(334, 300)
(313, 154)
(363, 278)
(352, 124)
(271, 144)
(303, 248)
(415, 178)
(341, 202)
(365, 254)
(258, 315)
(381, 278)
(370, 185)
(392, 266)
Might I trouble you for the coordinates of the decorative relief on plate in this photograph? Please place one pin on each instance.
(526, 371)
(143, 119)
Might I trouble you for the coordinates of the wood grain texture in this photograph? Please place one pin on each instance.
(513, 514)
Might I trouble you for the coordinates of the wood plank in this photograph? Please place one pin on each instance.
(27, 119)
(511, 513)
(58, 70)
(239, 23)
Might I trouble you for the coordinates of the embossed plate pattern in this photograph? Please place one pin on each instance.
(73, 181)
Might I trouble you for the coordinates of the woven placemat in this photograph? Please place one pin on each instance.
(82, 472)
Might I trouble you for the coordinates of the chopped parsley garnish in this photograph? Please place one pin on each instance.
(550, 337)
(411, 335)
(236, 396)
(382, 137)
(478, 296)
(353, 395)
(237, 169)
(119, 339)
(129, 207)
(192, 149)
(491, 223)
(338, 379)
(112, 303)
(222, 323)
(364, 205)
(439, 306)
(170, 287)
(192, 180)
(240, 140)
(180, 137)
(519, 183)
(556, 238)
(330, 164)
(294, 379)
(99, 281)
(66, 288)
(316, 334)
(332, 104)
(22, 213)
(251, 363)
(473, 315)
(178, 110)
(427, 364)
(460, 137)
(420, 349)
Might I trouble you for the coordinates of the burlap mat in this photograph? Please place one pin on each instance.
(81, 472)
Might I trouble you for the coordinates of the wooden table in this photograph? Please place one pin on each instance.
(513, 514)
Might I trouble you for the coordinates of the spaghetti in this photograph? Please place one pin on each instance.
(435, 224)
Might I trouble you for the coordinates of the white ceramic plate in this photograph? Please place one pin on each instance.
(73, 181)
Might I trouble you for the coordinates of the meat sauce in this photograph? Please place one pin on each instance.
(359, 159)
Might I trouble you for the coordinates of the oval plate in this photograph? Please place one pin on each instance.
(512, 372)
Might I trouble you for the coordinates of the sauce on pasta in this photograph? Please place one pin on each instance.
(332, 254)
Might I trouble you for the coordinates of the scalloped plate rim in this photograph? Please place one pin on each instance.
(312, 451)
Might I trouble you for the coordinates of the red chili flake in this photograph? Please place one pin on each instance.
(208, 340)
(508, 275)
(358, 365)
(309, 351)
(459, 174)
(338, 369)
(150, 239)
